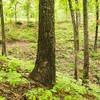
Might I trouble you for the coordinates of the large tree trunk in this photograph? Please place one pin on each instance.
(3, 30)
(97, 18)
(86, 43)
(44, 71)
(76, 46)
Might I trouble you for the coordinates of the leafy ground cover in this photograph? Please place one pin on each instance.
(22, 46)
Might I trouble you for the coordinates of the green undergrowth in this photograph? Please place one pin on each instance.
(13, 63)
(28, 53)
(95, 56)
(13, 78)
(66, 88)
(20, 32)
(13, 69)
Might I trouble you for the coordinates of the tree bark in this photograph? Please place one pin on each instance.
(2, 30)
(75, 37)
(96, 33)
(44, 71)
(86, 43)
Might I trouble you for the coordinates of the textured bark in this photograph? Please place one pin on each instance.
(86, 43)
(75, 37)
(96, 33)
(2, 30)
(44, 71)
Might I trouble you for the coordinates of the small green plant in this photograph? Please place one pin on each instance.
(95, 55)
(70, 65)
(93, 66)
(95, 91)
(2, 98)
(65, 56)
(14, 78)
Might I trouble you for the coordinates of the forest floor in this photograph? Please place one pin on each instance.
(21, 50)
(20, 44)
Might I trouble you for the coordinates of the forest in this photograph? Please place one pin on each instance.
(49, 50)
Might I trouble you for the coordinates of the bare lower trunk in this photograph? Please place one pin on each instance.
(96, 33)
(3, 30)
(44, 71)
(76, 61)
(86, 43)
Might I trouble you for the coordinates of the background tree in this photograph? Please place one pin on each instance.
(2, 29)
(97, 19)
(77, 22)
(9, 9)
(14, 4)
(86, 43)
(76, 42)
(44, 71)
(27, 7)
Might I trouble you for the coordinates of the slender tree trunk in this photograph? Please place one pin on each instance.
(28, 4)
(77, 25)
(79, 22)
(75, 37)
(3, 30)
(96, 33)
(86, 43)
(66, 10)
(44, 71)
(15, 13)
(10, 20)
(0, 8)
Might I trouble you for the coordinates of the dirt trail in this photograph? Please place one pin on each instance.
(20, 44)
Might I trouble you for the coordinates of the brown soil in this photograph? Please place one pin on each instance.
(21, 44)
